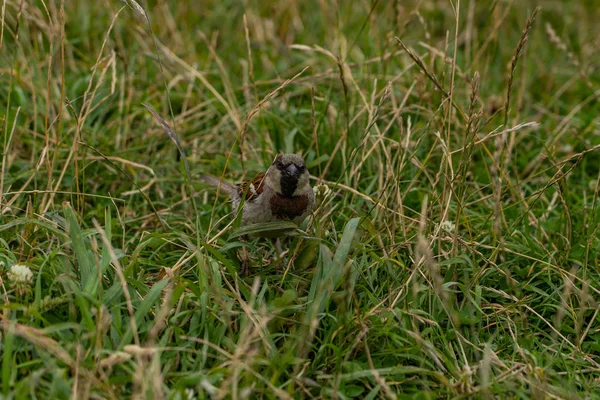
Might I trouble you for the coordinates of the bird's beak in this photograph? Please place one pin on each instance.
(292, 170)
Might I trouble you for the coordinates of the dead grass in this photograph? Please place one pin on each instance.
(456, 255)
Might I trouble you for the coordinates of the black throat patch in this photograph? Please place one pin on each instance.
(288, 185)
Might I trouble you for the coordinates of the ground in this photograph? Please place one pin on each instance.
(454, 252)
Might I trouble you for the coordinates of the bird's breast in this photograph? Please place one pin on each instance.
(288, 208)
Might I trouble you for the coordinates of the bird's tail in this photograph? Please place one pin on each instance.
(226, 187)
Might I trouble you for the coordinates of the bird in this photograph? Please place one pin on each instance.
(282, 193)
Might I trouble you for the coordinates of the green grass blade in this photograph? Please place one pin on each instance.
(143, 309)
(85, 259)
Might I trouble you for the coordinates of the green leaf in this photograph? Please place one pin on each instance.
(269, 228)
(330, 269)
(85, 259)
(344, 246)
(106, 259)
(143, 309)
(7, 358)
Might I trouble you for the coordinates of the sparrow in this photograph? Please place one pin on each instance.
(282, 193)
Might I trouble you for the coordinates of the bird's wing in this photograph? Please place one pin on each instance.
(252, 189)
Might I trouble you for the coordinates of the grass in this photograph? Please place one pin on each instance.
(455, 253)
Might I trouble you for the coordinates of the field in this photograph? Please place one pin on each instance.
(454, 252)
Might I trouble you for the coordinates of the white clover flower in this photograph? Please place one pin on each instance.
(20, 273)
(20, 277)
(448, 226)
(322, 190)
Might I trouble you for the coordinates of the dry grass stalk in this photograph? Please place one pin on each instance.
(518, 53)
(431, 77)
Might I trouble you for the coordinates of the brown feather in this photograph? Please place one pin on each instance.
(251, 190)
(288, 208)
